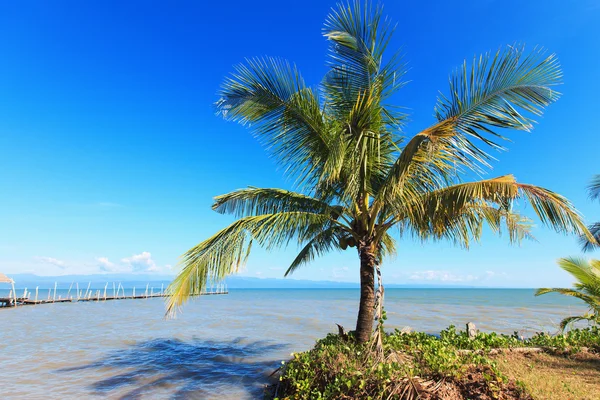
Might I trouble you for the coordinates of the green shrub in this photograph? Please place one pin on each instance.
(338, 368)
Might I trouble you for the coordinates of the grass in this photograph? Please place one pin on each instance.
(451, 366)
(552, 376)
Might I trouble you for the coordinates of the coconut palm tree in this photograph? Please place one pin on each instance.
(594, 191)
(587, 287)
(360, 182)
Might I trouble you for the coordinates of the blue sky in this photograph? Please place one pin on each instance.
(110, 152)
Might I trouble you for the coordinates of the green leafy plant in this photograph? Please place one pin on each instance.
(340, 369)
(587, 288)
(358, 176)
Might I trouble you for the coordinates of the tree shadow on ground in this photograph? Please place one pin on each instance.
(183, 370)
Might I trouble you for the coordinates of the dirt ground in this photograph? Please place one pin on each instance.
(549, 377)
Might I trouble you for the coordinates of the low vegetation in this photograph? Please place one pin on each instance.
(449, 366)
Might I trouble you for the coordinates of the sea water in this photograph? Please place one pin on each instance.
(224, 346)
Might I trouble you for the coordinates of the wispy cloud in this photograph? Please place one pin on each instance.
(451, 277)
(105, 264)
(52, 261)
(338, 273)
(142, 262)
(492, 274)
(136, 263)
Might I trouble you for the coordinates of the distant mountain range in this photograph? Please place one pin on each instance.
(233, 282)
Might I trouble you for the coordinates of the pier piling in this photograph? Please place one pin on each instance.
(94, 294)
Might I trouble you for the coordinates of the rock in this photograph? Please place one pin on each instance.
(406, 330)
(471, 330)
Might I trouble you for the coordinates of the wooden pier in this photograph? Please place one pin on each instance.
(9, 301)
(95, 295)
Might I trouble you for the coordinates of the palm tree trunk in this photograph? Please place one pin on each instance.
(366, 310)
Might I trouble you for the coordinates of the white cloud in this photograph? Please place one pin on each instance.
(442, 276)
(338, 273)
(140, 262)
(450, 277)
(492, 274)
(53, 261)
(103, 261)
(137, 263)
(106, 265)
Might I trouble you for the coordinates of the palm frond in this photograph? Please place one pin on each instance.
(212, 260)
(491, 92)
(554, 210)
(466, 226)
(586, 243)
(458, 212)
(355, 90)
(587, 287)
(270, 95)
(594, 188)
(516, 225)
(566, 292)
(224, 253)
(452, 200)
(359, 35)
(387, 247)
(323, 242)
(564, 324)
(259, 201)
(425, 164)
(586, 273)
(486, 95)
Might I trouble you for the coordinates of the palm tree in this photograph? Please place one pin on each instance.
(359, 183)
(587, 287)
(594, 191)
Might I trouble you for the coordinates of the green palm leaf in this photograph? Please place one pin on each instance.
(594, 188)
(566, 292)
(586, 243)
(564, 324)
(323, 242)
(227, 251)
(589, 244)
(259, 201)
(587, 287)
(491, 92)
(486, 95)
(467, 203)
(359, 36)
(285, 114)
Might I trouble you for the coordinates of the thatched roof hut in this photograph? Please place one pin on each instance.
(6, 279)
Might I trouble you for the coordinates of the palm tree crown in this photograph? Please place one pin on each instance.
(357, 175)
(587, 288)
